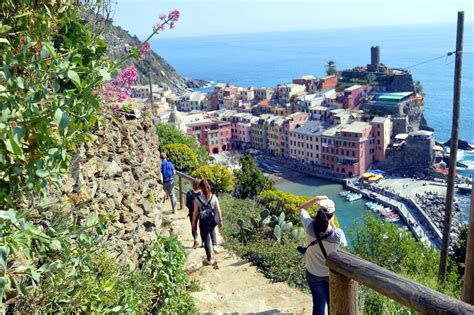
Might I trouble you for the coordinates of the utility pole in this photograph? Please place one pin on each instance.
(443, 261)
(151, 92)
(468, 290)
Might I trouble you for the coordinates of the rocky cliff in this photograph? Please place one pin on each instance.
(162, 73)
(119, 175)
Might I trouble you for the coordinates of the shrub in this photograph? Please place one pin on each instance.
(397, 251)
(219, 177)
(250, 181)
(278, 200)
(169, 135)
(183, 158)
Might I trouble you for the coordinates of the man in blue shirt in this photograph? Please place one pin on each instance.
(167, 171)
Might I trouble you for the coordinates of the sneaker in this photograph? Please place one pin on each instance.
(216, 250)
(196, 244)
(206, 262)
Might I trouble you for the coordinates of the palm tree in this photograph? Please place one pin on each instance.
(331, 67)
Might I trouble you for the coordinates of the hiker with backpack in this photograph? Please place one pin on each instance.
(206, 208)
(323, 238)
(191, 196)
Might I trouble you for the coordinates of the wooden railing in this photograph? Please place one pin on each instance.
(180, 189)
(347, 270)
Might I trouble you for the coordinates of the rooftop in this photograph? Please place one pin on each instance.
(306, 77)
(352, 88)
(379, 120)
(312, 128)
(356, 127)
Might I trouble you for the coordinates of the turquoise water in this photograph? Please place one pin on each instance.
(348, 213)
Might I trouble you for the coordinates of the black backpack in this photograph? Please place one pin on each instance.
(190, 196)
(208, 215)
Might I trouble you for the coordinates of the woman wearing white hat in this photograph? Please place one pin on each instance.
(322, 238)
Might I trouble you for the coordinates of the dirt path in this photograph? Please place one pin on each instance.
(237, 286)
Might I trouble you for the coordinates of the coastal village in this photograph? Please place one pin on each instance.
(341, 126)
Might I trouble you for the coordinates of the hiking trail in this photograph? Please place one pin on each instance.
(237, 286)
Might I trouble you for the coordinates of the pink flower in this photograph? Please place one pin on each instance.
(162, 16)
(144, 50)
(158, 27)
(118, 91)
(174, 15)
(172, 25)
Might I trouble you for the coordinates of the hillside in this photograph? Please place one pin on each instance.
(162, 73)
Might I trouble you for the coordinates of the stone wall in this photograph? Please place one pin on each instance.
(119, 175)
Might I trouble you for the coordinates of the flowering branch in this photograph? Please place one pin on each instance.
(117, 91)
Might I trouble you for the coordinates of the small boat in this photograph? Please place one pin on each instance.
(344, 193)
(353, 197)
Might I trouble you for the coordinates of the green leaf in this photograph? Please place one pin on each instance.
(105, 75)
(116, 309)
(4, 41)
(55, 245)
(49, 47)
(20, 83)
(41, 173)
(74, 77)
(9, 215)
(3, 256)
(61, 119)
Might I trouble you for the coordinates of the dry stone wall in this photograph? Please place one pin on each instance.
(119, 175)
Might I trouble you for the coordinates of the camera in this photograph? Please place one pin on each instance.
(301, 249)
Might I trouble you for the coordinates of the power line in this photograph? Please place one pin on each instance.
(431, 60)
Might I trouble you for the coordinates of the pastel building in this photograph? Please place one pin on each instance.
(305, 142)
(264, 93)
(382, 128)
(286, 91)
(275, 136)
(354, 95)
(291, 122)
(346, 149)
(259, 132)
(216, 136)
(241, 129)
(191, 101)
(309, 81)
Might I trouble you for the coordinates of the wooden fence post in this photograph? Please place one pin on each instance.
(342, 294)
(180, 183)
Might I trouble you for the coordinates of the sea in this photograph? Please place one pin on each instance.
(269, 59)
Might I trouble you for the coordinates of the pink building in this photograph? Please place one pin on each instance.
(241, 130)
(305, 142)
(347, 149)
(350, 149)
(353, 96)
(291, 122)
(381, 132)
(216, 136)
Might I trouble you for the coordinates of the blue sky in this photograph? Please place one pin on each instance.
(218, 17)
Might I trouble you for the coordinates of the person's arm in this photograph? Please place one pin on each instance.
(219, 213)
(195, 214)
(312, 201)
(304, 215)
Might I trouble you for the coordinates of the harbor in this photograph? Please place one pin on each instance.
(403, 196)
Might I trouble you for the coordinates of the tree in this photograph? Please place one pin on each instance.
(331, 67)
(219, 177)
(183, 158)
(250, 181)
(169, 134)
